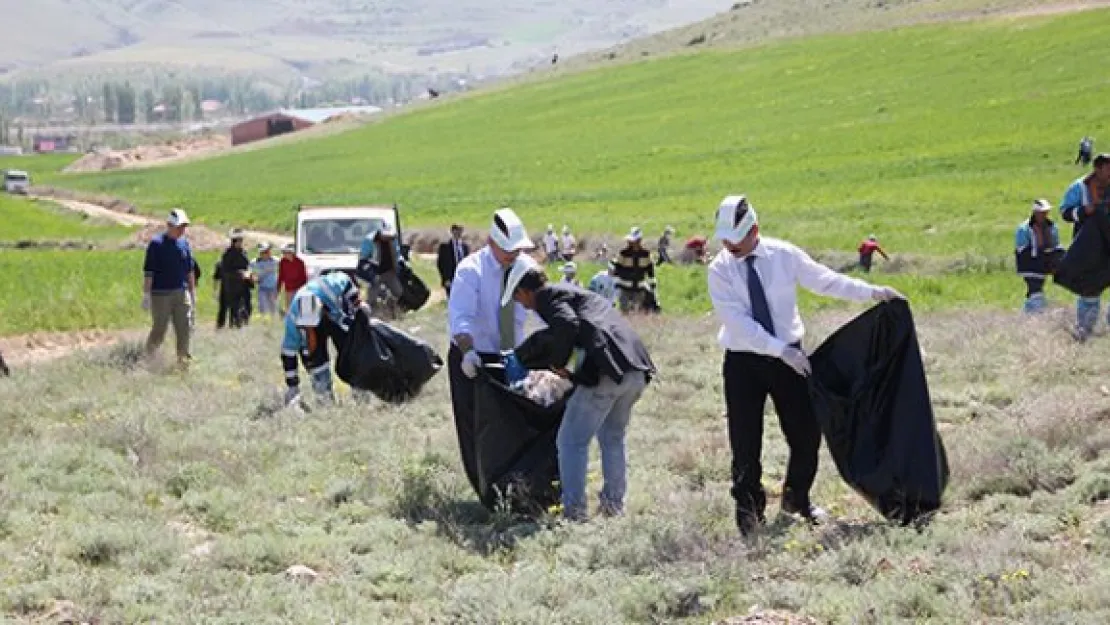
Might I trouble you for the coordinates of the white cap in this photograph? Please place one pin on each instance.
(264, 246)
(309, 309)
(288, 248)
(570, 268)
(522, 265)
(1041, 206)
(508, 232)
(177, 217)
(735, 218)
(566, 229)
(235, 233)
(635, 234)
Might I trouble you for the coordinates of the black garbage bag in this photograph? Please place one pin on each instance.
(514, 446)
(414, 293)
(1085, 268)
(872, 400)
(390, 363)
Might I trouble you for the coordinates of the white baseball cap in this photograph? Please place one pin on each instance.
(522, 265)
(1042, 206)
(508, 232)
(177, 217)
(635, 234)
(735, 218)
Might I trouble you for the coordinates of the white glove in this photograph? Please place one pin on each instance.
(885, 294)
(796, 359)
(471, 362)
(146, 301)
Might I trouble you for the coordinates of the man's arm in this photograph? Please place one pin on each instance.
(824, 281)
(462, 308)
(552, 346)
(1075, 199)
(737, 317)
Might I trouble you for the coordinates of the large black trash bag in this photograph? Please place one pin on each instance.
(872, 400)
(1085, 267)
(514, 446)
(391, 364)
(414, 293)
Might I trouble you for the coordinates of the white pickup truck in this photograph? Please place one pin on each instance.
(329, 237)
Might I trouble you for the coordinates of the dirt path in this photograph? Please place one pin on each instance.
(25, 349)
(201, 236)
(1058, 9)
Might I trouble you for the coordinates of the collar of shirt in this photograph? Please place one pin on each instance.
(475, 302)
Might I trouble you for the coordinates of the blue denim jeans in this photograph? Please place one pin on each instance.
(603, 410)
(1086, 314)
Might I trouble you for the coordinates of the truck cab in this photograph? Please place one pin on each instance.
(16, 181)
(329, 237)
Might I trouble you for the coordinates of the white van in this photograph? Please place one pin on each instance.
(16, 181)
(329, 237)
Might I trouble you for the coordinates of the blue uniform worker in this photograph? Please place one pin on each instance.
(321, 309)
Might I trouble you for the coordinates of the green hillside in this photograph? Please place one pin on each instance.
(29, 220)
(937, 138)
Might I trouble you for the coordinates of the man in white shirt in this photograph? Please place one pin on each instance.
(753, 285)
(569, 245)
(479, 325)
(551, 245)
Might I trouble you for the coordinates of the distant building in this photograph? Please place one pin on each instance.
(52, 143)
(290, 120)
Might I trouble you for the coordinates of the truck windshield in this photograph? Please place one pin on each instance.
(16, 177)
(336, 236)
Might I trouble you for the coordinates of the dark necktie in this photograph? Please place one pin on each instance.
(458, 252)
(760, 310)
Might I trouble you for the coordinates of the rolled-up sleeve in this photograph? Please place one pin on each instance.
(462, 306)
(824, 281)
(744, 333)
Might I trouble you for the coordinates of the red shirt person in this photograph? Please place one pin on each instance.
(292, 273)
(867, 250)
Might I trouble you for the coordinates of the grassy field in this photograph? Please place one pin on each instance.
(38, 164)
(30, 220)
(937, 138)
(130, 496)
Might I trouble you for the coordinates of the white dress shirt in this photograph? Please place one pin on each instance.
(781, 267)
(475, 302)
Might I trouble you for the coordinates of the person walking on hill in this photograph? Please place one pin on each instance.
(635, 276)
(611, 369)
(1086, 148)
(292, 274)
(753, 287)
(265, 271)
(230, 278)
(169, 286)
(1037, 248)
(450, 254)
(479, 325)
(664, 251)
(867, 251)
(1083, 197)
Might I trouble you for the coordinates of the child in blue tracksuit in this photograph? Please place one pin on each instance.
(321, 309)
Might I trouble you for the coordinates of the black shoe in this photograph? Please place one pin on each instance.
(814, 514)
(748, 521)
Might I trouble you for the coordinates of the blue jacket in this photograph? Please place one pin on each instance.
(370, 261)
(1032, 255)
(1076, 197)
(168, 264)
(339, 295)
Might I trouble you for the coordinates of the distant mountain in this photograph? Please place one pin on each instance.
(320, 38)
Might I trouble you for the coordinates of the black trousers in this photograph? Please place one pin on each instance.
(234, 307)
(1033, 286)
(749, 379)
(462, 405)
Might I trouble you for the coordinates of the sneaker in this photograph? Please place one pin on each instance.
(814, 514)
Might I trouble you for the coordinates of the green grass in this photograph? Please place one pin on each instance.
(937, 138)
(53, 290)
(38, 165)
(23, 219)
(142, 497)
